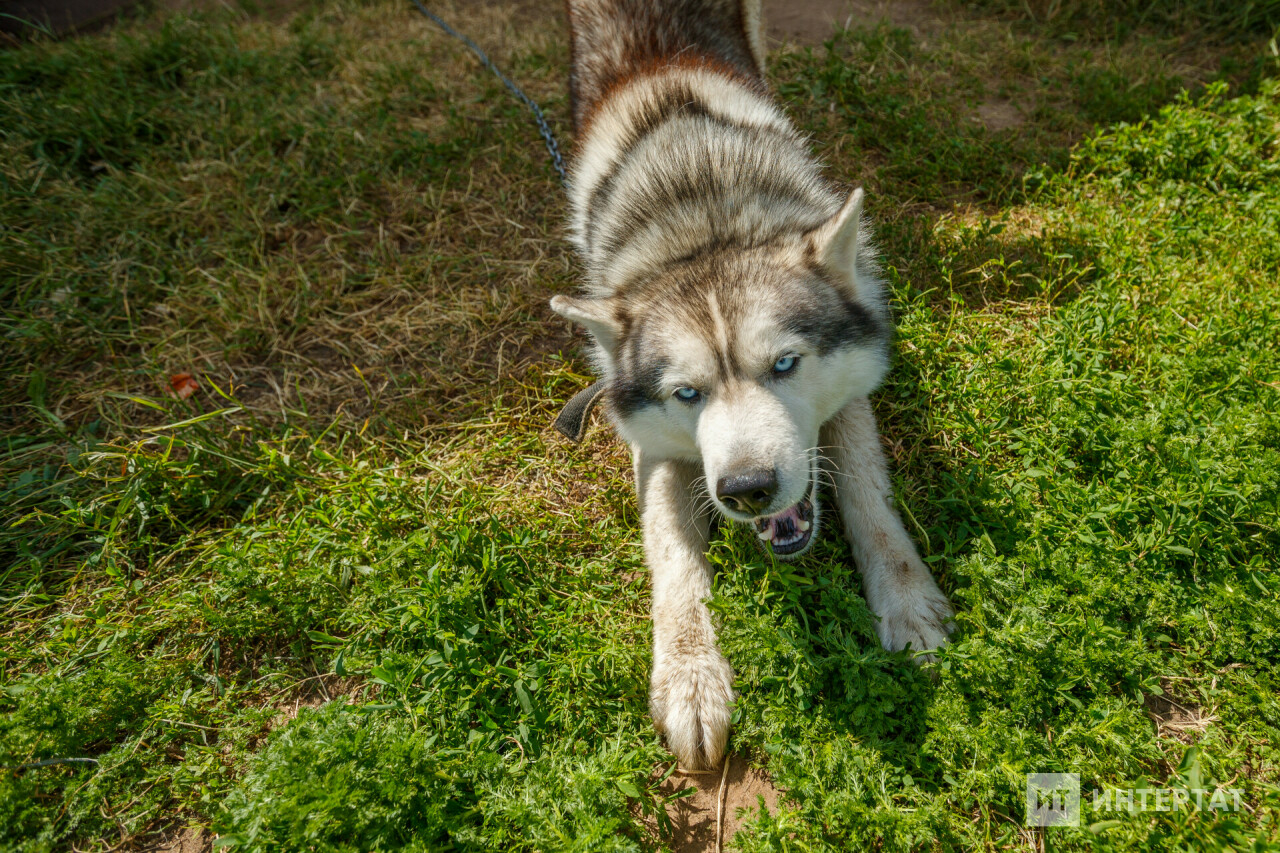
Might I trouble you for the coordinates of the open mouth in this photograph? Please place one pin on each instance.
(789, 531)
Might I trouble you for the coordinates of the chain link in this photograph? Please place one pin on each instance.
(552, 148)
(48, 762)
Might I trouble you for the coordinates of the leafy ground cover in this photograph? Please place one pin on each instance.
(353, 593)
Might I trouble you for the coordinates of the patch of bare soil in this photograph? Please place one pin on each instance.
(999, 114)
(1177, 717)
(311, 693)
(189, 840)
(693, 817)
(811, 21)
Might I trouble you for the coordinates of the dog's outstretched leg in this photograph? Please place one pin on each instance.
(898, 586)
(691, 688)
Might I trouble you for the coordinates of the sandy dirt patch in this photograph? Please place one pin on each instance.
(693, 817)
(189, 840)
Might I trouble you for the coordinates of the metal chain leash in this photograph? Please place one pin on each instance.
(48, 762)
(552, 148)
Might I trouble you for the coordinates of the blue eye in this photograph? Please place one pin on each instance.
(688, 395)
(786, 363)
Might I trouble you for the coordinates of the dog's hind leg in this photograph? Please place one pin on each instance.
(898, 586)
(691, 688)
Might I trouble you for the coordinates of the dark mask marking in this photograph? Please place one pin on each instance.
(833, 327)
(834, 320)
(638, 380)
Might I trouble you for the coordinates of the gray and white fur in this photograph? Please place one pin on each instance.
(738, 322)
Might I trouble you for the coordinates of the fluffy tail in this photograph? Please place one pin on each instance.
(614, 40)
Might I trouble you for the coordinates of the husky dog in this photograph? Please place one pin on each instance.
(739, 322)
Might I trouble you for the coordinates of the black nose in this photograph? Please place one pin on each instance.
(748, 491)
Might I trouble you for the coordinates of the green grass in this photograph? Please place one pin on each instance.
(354, 594)
(1074, 18)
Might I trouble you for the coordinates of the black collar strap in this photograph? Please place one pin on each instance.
(572, 421)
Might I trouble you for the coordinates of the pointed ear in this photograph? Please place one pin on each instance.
(835, 242)
(594, 314)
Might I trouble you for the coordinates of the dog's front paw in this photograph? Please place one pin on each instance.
(913, 611)
(690, 697)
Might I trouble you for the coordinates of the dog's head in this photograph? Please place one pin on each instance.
(737, 357)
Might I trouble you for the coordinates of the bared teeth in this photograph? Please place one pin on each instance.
(784, 531)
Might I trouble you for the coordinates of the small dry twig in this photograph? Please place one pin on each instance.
(724, 778)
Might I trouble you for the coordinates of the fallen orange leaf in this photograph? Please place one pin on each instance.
(183, 385)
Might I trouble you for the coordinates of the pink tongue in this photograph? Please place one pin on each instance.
(793, 513)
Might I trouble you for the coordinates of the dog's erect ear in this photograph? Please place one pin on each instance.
(595, 314)
(835, 241)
